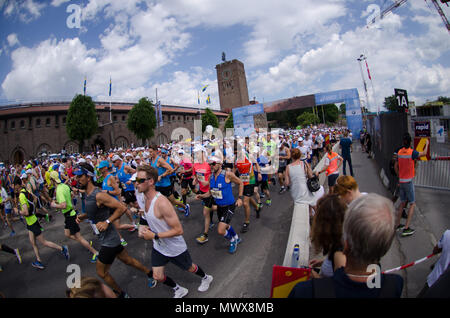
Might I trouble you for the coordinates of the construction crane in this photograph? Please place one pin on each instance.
(398, 3)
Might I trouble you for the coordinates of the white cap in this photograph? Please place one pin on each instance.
(115, 158)
(88, 157)
(300, 139)
(181, 151)
(133, 177)
(128, 155)
(29, 171)
(137, 157)
(81, 161)
(23, 176)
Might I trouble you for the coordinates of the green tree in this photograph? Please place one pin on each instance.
(444, 99)
(229, 122)
(209, 118)
(342, 109)
(390, 103)
(307, 119)
(331, 113)
(82, 120)
(142, 120)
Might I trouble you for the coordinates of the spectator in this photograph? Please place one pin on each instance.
(347, 188)
(346, 146)
(326, 234)
(443, 246)
(90, 287)
(368, 233)
(296, 173)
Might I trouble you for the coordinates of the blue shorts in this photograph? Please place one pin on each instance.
(8, 211)
(406, 192)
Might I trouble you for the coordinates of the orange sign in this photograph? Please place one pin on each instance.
(419, 145)
(285, 278)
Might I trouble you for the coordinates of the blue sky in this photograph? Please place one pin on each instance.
(289, 48)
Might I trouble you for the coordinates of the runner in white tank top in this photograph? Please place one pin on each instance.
(165, 229)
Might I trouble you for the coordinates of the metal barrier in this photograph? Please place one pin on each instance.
(435, 173)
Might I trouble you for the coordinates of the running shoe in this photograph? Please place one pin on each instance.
(123, 294)
(180, 292)
(187, 211)
(407, 232)
(38, 264)
(233, 246)
(65, 252)
(202, 239)
(151, 282)
(282, 190)
(47, 218)
(399, 227)
(262, 195)
(212, 225)
(206, 281)
(268, 202)
(19, 258)
(94, 258)
(123, 242)
(245, 227)
(258, 211)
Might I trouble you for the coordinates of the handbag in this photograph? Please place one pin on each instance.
(312, 183)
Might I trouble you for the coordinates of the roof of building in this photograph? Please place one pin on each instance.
(64, 106)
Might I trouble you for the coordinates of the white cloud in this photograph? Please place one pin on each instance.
(12, 39)
(57, 3)
(27, 10)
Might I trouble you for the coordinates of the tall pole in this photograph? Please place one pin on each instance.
(364, 81)
(110, 98)
(373, 89)
(157, 121)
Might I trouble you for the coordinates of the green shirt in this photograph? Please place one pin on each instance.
(63, 195)
(31, 219)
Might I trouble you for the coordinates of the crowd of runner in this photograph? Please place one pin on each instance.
(148, 184)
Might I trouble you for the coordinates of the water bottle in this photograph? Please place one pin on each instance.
(295, 256)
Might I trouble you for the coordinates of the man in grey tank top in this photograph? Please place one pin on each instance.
(165, 229)
(98, 204)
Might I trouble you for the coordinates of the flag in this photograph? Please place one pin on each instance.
(84, 85)
(208, 100)
(110, 86)
(204, 88)
(156, 113)
(198, 97)
(368, 72)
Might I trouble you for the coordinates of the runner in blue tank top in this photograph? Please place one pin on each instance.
(163, 185)
(111, 187)
(221, 191)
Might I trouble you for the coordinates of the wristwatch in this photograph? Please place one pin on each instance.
(241, 197)
(156, 236)
(108, 221)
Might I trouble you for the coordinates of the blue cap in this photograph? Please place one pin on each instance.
(104, 163)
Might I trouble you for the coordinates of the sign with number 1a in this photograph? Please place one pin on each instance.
(401, 96)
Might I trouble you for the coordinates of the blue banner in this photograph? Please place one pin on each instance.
(243, 119)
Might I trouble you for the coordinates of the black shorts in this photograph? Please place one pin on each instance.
(51, 192)
(186, 182)
(35, 228)
(264, 185)
(207, 202)
(281, 169)
(332, 179)
(129, 196)
(249, 190)
(225, 213)
(165, 191)
(107, 254)
(183, 261)
(70, 224)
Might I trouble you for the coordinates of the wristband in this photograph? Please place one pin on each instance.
(108, 221)
(156, 236)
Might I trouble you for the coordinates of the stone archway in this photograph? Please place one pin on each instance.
(18, 155)
(43, 148)
(99, 143)
(121, 142)
(162, 139)
(71, 147)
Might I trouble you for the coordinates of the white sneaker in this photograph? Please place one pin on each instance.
(204, 286)
(180, 292)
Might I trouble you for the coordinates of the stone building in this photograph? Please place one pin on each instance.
(28, 130)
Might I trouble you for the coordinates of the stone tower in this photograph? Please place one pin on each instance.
(232, 82)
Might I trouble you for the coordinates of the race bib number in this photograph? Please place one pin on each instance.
(217, 194)
(245, 177)
(201, 177)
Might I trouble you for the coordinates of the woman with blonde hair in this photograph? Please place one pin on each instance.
(90, 287)
(347, 188)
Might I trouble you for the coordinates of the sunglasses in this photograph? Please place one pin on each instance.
(139, 180)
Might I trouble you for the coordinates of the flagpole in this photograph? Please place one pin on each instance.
(157, 119)
(110, 98)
